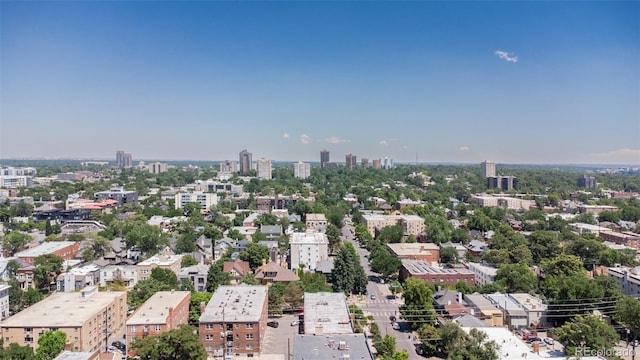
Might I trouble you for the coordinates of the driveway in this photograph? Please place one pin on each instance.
(279, 341)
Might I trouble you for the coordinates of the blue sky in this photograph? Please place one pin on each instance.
(513, 82)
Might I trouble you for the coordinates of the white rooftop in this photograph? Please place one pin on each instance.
(326, 313)
(240, 303)
(308, 238)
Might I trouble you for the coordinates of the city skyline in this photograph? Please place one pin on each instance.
(419, 82)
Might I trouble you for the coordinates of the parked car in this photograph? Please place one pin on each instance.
(533, 339)
(373, 296)
(273, 324)
(295, 323)
(549, 341)
(119, 345)
(395, 326)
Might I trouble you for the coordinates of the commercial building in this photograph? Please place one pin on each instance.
(596, 209)
(65, 249)
(165, 260)
(484, 274)
(433, 275)
(324, 158)
(14, 182)
(533, 307)
(484, 309)
(19, 171)
(119, 194)
(123, 159)
(162, 312)
(428, 252)
(206, 200)
(316, 222)
(88, 318)
(263, 169)
(245, 163)
(487, 169)
(515, 317)
(301, 170)
(326, 313)
(338, 346)
(235, 320)
(588, 182)
(307, 249)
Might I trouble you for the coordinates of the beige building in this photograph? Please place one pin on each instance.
(412, 224)
(165, 260)
(485, 200)
(87, 317)
(164, 311)
(316, 222)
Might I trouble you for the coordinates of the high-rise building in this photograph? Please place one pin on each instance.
(588, 182)
(229, 166)
(263, 169)
(301, 170)
(376, 163)
(365, 163)
(351, 162)
(324, 158)
(487, 169)
(123, 159)
(157, 168)
(504, 183)
(387, 163)
(245, 162)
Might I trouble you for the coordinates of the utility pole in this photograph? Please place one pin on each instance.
(224, 335)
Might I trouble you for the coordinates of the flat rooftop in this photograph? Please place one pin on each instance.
(326, 313)
(62, 310)
(241, 303)
(156, 309)
(407, 249)
(45, 248)
(507, 303)
(529, 302)
(316, 217)
(421, 267)
(308, 238)
(309, 347)
(480, 302)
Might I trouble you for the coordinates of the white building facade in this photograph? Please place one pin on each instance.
(307, 249)
(301, 170)
(263, 169)
(206, 200)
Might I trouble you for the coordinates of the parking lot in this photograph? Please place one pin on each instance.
(275, 342)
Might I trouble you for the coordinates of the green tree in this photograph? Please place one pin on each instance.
(249, 279)
(254, 253)
(15, 241)
(21, 209)
(437, 228)
(188, 260)
(334, 237)
(186, 243)
(47, 269)
(628, 313)
(17, 352)
(449, 255)
(567, 265)
(475, 346)
(391, 234)
(383, 262)
(96, 248)
(586, 331)
(50, 344)
(496, 257)
(610, 216)
(178, 344)
(347, 275)
(275, 294)
(543, 245)
(516, 277)
(198, 300)
(429, 338)
(313, 282)
(217, 277)
(386, 346)
(418, 303)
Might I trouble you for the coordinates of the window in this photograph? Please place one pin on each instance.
(158, 328)
(209, 326)
(208, 337)
(133, 329)
(249, 347)
(237, 326)
(249, 336)
(249, 326)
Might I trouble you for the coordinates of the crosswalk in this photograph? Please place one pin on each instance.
(382, 313)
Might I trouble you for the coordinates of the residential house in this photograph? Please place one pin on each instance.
(126, 275)
(272, 232)
(477, 247)
(205, 246)
(78, 278)
(533, 306)
(197, 275)
(164, 260)
(237, 269)
(449, 303)
(270, 273)
(316, 222)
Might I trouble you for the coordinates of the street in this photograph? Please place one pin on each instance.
(384, 306)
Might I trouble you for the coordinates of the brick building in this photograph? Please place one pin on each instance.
(65, 249)
(435, 276)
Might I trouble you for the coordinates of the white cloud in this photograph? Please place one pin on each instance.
(463, 148)
(305, 139)
(506, 57)
(383, 142)
(624, 155)
(285, 135)
(335, 140)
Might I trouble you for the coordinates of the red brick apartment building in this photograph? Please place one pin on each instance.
(235, 320)
(164, 311)
(65, 249)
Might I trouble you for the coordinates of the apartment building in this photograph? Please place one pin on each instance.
(412, 224)
(206, 200)
(121, 195)
(485, 200)
(245, 163)
(157, 168)
(65, 249)
(124, 274)
(4, 301)
(324, 158)
(433, 275)
(88, 318)
(14, 182)
(78, 278)
(235, 320)
(427, 252)
(596, 209)
(316, 222)
(483, 274)
(628, 279)
(487, 169)
(263, 169)
(307, 249)
(165, 260)
(162, 312)
(619, 237)
(213, 186)
(301, 170)
(197, 275)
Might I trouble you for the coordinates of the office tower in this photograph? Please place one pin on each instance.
(301, 170)
(588, 182)
(324, 158)
(365, 163)
(351, 162)
(487, 169)
(229, 166)
(245, 162)
(263, 169)
(123, 159)
(376, 163)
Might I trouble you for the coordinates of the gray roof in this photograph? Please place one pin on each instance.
(45, 248)
(309, 347)
(156, 309)
(240, 303)
(271, 229)
(68, 355)
(325, 266)
(443, 297)
(468, 320)
(507, 303)
(326, 313)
